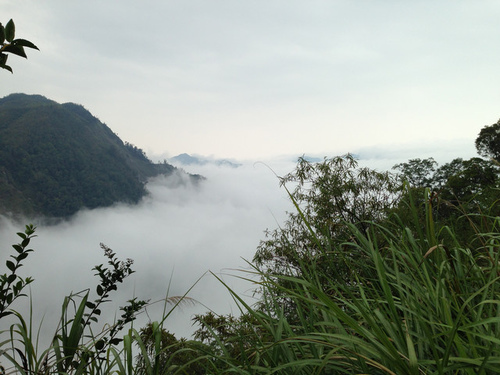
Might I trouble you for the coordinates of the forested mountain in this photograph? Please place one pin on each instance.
(58, 158)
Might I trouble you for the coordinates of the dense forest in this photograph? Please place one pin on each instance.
(374, 272)
(56, 159)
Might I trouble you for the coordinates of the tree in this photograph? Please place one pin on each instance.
(417, 172)
(455, 188)
(10, 45)
(488, 141)
(330, 197)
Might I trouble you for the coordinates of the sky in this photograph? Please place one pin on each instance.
(260, 79)
(249, 81)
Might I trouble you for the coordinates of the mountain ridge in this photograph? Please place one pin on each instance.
(58, 158)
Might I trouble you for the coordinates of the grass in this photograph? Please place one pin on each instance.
(418, 301)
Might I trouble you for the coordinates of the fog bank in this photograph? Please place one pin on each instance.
(175, 236)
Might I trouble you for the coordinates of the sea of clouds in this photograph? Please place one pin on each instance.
(177, 236)
(181, 236)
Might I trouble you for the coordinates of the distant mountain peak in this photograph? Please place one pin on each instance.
(186, 159)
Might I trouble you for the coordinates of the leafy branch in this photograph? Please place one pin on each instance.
(70, 353)
(10, 45)
(12, 285)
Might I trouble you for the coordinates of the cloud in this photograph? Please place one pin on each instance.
(175, 236)
(180, 233)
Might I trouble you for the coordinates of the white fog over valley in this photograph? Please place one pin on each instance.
(176, 235)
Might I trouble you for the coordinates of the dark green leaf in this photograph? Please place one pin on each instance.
(99, 290)
(6, 67)
(10, 265)
(99, 344)
(11, 278)
(21, 256)
(16, 50)
(10, 31)
(18, 248)
(2, 34)
(24, 43)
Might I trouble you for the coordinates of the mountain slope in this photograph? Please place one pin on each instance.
(57, 158)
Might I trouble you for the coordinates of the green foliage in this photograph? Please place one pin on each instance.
(417, 172)
(459, 192)
(488, 141)
(57, 158)
(10, 45)
(424, 308)
(76, 347)
(328, 196)
(162, 353)
(11, 284)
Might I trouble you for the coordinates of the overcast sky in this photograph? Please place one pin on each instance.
(256, 79)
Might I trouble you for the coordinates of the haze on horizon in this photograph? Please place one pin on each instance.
(251, 80)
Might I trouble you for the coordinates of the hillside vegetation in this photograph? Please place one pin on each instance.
(58, 158)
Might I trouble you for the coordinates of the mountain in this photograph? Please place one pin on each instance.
(186, 159)
(58, 158)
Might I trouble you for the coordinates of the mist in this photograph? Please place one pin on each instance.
(177, 236)
(180, 236)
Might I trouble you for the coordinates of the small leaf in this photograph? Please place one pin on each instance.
(24, 43)
(19, 285)
(99, 290)
(99, 344)
(12, 277)
(3, 59)
(22, 256)
(2, 34)
(90, 305)
(18, 248)
(19, 51)
(10, 31)
(6, 67)
(10, 265)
